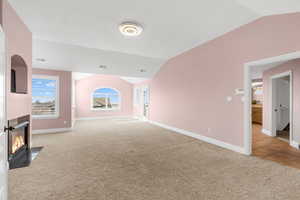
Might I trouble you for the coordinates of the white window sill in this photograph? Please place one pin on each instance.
(114, 109)
(45, 116)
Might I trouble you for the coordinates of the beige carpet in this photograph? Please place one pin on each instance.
(130, 160)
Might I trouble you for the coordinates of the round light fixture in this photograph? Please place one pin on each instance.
(130, 29)
(102, 66)
(41, 60)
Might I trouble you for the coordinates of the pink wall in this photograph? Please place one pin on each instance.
(190, 90)
(65, 94)
(18, 42)
(293, 66)
(86, 86)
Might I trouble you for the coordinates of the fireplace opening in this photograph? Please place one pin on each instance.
(18, 142)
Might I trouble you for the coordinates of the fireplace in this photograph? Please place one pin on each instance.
(18, 142)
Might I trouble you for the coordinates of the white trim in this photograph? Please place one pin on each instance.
(106, 109)
(52, 130)
(266, 132)
(57, 97)
(247, 97)
(200, 137)
(295, 144)
(283, 74)
(4, 187)
(45, 117)
(106, 117)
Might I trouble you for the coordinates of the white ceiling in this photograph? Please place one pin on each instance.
(80, 59)
(170, 28)
(133, 80)
(272, 7)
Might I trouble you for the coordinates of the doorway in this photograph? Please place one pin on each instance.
(146, 100)
(275, 136)
(247, 99)
(282, 106)
(141, 102)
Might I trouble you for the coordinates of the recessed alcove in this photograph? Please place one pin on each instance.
(18, 77)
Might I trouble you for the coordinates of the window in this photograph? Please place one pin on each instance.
(106, 99)
(45, 97)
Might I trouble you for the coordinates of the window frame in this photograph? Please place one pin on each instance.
(57, 98)
(106, 109)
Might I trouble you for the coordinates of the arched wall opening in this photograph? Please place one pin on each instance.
(18, 76)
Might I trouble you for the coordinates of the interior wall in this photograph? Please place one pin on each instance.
(18, 42)
(65, 101)
(85, 87)
(294, 66)
(190, 91)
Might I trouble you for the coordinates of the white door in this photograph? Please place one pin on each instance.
(282, 103)
(146, 100)
(3, 137)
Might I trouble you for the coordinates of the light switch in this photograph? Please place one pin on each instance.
(229, 99)
(239, 91)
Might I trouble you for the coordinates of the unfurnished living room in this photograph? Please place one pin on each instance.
(149, 100)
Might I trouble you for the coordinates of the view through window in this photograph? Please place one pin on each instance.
(44, 96)
(106, 99)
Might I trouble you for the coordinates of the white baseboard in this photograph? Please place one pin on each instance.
(295, 144)
(201, 137)
(52, 130)
(266, 132)
(108, 117)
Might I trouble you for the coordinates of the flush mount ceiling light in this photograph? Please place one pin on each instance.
(41, 60)
(130, 29)
(102, 66)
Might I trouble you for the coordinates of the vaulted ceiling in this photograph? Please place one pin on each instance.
(170, 28)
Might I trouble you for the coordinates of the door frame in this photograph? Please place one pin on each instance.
(3, 37)
(273, 103)
(143, 89)
(138, 92)
(248, 95)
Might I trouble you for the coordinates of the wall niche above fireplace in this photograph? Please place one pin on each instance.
(18, 76)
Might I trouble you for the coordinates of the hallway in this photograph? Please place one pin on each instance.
(274, 149)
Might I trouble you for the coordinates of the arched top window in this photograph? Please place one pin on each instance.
(106, 99)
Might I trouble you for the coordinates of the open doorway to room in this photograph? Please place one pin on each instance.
(271, 108)
(146, 100)
(282, 106)
(141, 102)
